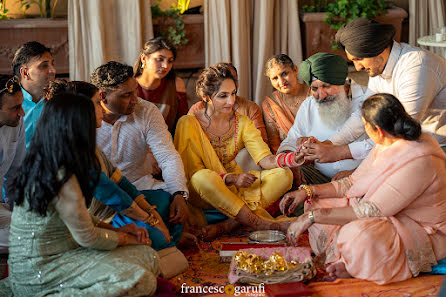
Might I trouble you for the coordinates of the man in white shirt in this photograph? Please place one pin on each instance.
(322, 114)
(131, 129)
(416, 77)
(33, 65)
(12, 149)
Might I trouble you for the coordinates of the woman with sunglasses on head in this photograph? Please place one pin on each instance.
(56, 247)
(208, 142)
(386, 222)
(157, 81)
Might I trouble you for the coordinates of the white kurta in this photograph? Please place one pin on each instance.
(128, 141)
(308, 123)
(418, 79)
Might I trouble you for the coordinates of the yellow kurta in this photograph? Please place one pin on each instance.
(206, 156)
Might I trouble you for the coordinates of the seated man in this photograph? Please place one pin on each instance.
(33, 65)
(416, 77)
(131, 127)
(12, 149)
(321, 115)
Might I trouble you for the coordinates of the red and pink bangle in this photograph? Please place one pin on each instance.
(286, 160)
(224, 176)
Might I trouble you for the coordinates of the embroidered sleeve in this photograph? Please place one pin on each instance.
(366, 209)
(342, 186)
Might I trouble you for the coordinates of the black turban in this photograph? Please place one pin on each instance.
(365, 38)
(328, 68)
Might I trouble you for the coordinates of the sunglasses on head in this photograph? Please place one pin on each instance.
(12, 86)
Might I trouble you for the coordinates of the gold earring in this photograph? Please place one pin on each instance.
(143, 65)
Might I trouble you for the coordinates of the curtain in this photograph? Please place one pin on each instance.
(100, 31)
(247, 33)
(426, 18)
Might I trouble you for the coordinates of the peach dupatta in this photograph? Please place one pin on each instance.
(416, 210)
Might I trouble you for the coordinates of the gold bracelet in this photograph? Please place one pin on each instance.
(151, 220)
(311, 216)
(307, 190)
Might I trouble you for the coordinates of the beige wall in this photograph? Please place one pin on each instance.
(14, 9)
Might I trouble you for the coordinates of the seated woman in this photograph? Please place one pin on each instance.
(56, 247)
(245, 107)
(208, 143)
(386, 222)
(280, 109)
(157, 82)
(117, 200)
(242, 106)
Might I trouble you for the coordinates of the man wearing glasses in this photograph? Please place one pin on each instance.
(33, 65)
(12, 149)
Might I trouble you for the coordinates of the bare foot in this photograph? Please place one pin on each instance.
(338, 270)
(210, 232)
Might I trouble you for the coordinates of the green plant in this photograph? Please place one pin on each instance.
(45, 7)
(340, 12)
(316, 6)
(3, 10)
(175, 31)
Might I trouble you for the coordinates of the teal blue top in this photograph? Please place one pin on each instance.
(32, 114)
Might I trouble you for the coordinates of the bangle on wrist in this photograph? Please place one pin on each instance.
(308, 191)
(151, 220)
(311, 216)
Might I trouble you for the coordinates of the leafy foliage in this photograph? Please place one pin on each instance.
(45, 7)
(175, 31)
(343, 11)
(340, 12)
(3, 10)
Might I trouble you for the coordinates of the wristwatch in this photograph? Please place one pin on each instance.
(182, 193)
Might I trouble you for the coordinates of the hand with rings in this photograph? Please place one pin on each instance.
(297, 227)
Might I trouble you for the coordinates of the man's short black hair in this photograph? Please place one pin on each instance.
(109, 76)
(25, 53)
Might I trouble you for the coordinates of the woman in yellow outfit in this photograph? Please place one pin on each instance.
(208, 142)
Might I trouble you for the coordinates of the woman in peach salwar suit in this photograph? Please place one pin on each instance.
(387, 221)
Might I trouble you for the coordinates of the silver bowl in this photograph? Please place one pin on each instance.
(267, 236)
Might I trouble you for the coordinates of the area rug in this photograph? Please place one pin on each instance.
(207, 273)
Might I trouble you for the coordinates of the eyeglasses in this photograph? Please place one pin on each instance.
(12, 86)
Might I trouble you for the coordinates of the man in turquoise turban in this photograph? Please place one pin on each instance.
(320, 116)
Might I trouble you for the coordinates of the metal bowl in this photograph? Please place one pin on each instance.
(267, 236)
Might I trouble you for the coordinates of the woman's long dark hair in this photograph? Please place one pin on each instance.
(63, 144)
(152, 46)
(387, 112)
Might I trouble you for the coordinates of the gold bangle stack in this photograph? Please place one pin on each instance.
(308, 191)
(151, 219)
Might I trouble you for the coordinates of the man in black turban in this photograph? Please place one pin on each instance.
(367, 43)
(416, 77)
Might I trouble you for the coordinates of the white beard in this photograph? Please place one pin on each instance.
(335, 113)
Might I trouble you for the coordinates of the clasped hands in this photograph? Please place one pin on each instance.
(314, 150)
(132, 234)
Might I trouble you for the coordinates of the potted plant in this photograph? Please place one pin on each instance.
(184, 29)
(322, 19)
(20, 27)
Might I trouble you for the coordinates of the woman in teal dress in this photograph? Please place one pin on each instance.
(56, 247)
(116, 200)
